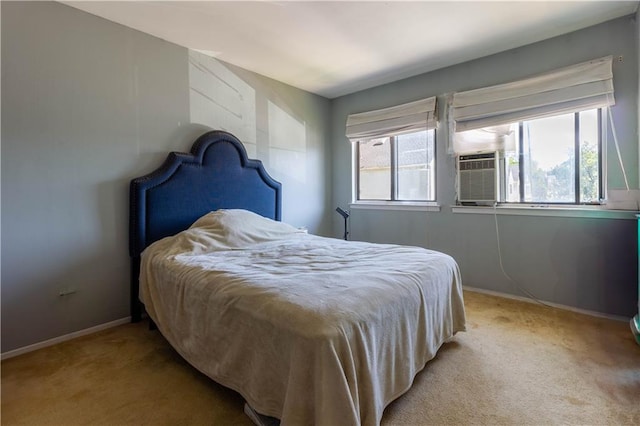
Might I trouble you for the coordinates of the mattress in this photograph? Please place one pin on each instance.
(307, 329)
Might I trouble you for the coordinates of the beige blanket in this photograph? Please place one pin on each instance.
(307, 329)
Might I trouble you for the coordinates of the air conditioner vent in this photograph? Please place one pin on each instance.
(478, 178)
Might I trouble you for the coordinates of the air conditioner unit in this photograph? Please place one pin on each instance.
(478, 178)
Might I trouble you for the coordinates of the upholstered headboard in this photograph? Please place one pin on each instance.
(217, 174)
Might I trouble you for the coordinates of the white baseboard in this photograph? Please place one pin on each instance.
(554, 305)
(60, 339)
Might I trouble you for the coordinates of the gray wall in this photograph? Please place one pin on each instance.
(86, 106)
(584, 263)
(287, 130)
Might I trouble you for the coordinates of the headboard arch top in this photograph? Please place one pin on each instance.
(216, 174)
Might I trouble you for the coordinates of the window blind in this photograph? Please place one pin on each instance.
(395, 120)
(575, 88)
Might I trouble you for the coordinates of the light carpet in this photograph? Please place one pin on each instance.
(518, 364)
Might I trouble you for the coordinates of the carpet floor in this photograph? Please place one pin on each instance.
(517, 364)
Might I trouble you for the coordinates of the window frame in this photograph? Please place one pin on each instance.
(393, 148)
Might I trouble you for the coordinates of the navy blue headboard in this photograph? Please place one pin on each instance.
(217, 174)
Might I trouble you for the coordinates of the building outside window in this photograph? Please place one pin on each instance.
(397, 168)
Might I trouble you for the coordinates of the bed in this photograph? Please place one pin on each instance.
(308, 329)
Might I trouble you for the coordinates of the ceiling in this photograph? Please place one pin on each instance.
(333, 48)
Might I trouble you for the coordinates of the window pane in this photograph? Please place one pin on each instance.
(589, 170)
(549, 154)
(416, 166)
(512, 177)
(374, 169)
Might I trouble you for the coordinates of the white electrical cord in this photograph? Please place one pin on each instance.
(513, 282)
(615, 141)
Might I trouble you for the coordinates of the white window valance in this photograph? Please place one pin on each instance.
(395, 120)
(575, 88)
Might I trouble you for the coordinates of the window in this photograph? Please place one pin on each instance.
(547, 133)
(394, 152)
(557, 160)
(397, 168)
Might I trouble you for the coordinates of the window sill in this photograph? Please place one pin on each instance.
(597, 212)
(427, 206)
